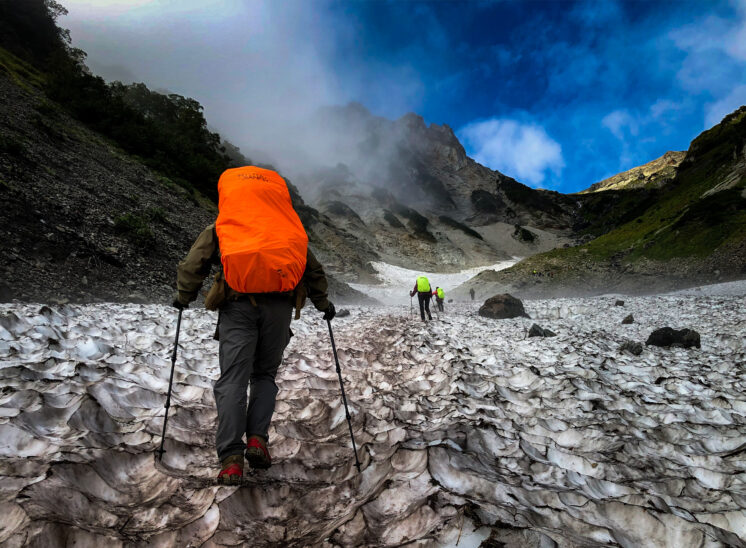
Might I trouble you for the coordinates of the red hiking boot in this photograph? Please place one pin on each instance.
(257, 453)
(232, 470)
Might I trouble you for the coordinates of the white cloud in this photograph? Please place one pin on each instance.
(523, 151)
(716, 51)
(716, 111)
(662, 108)
(736, 45)
(620, 122)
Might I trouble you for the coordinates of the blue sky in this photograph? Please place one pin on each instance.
(556, 94)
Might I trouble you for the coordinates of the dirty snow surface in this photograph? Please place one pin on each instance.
(466, 429)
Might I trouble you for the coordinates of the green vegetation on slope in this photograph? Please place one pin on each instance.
(604, 211)
(682, 222)
(21, 72)
(677, 220)
(166, 132)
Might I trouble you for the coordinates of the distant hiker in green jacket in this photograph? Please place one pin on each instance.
(440, 297)
(424, 294)
(257, 290)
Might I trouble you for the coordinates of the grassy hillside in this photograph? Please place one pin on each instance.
(684, 221)
(691, 230)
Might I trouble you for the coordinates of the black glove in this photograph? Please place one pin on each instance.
(330, 312)
(177, 304)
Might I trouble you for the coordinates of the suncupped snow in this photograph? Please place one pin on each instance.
(463, 426)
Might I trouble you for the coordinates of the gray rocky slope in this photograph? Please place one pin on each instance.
(563, 441)
(411, 195)
(656, 174)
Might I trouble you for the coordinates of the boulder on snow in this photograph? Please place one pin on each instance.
(503, 306)
(631, 347)
(619, 303)
(538, 331)
(628, 319)
(343, 313)
(667, 336)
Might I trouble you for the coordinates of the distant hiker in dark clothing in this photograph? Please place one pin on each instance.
(424, 294)
(256, 291)
(440, 297)
(471, 292)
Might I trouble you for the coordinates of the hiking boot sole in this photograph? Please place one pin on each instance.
(233, 479)
(256, 458)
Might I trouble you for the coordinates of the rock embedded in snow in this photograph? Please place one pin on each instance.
(628, 319)
(667, 336)
(343, 313)
(537, 331)
(503, 306)
(632, 347)
(619, 303)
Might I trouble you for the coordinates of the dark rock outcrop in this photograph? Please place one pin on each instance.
(502, 307)
(667, 336)
(619, 303)
(538, 331)
(523, 234)
(628, 319)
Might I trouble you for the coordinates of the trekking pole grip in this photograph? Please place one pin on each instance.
(344, 398)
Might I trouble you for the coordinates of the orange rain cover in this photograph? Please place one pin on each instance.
(262, 242)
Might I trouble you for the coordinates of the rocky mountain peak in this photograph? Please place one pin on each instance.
(654, 174)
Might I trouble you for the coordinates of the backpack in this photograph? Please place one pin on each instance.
(441, 294)
(423, 286)
(263, 244)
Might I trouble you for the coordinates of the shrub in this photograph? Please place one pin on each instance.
(136, 229)
(11, 145)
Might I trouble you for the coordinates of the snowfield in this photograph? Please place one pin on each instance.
(465, 428)
(397, 282)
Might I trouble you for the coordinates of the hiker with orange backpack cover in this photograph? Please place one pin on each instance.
(267, 268)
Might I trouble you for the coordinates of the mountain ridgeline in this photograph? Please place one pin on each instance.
(689, 230)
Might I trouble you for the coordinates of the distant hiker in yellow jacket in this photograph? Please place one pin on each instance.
(422, 289)
(440, 297)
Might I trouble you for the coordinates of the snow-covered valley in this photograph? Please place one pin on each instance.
(465, 428)
(396, 281)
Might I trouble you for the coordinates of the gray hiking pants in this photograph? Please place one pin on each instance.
(252, 340)
(424, 299)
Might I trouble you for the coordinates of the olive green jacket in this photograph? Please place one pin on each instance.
(205, 252)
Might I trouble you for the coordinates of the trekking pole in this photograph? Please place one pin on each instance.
(344, 399)
(170, 383)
